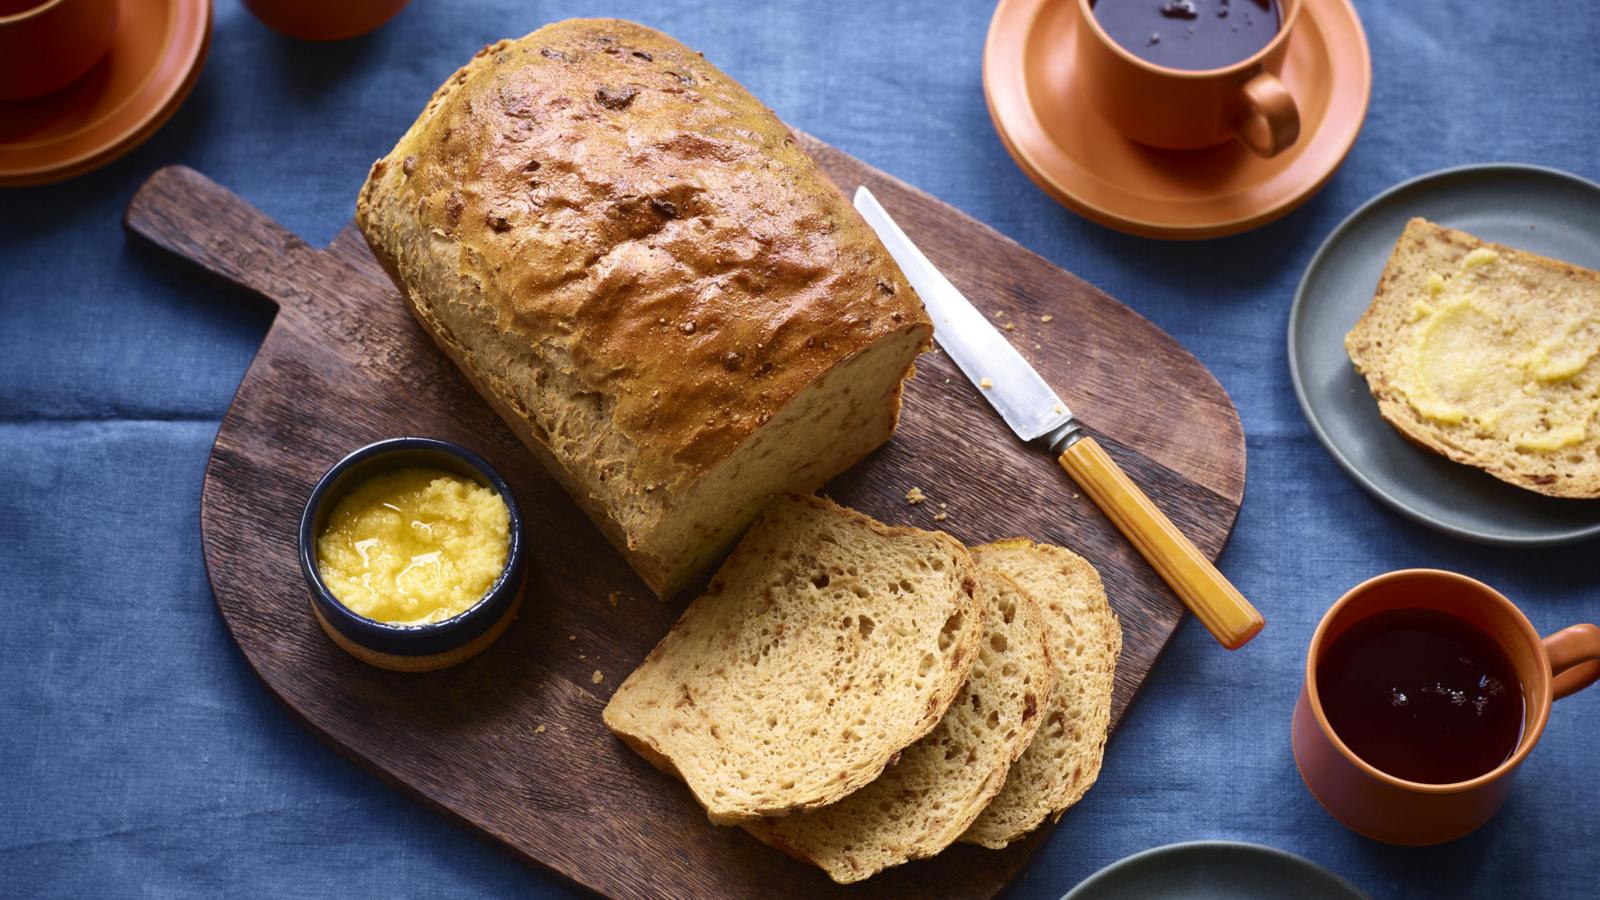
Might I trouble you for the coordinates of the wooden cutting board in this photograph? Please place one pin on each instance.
(343, 365)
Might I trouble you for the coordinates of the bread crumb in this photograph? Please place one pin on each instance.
(985, 383)
(572, 637)
(1059, 410)
(940, 517)
(944, 506)
(1011, 326)
(915, 496)
(612, 597)
(581, 656)
(539, 730)
(1046, 317)
(598, 676)
(999, 313)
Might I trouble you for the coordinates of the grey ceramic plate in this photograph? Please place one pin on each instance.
(1531, 208)
(1214, 870)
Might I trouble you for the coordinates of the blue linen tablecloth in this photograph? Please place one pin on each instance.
(140, 756)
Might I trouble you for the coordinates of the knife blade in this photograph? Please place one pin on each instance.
(1035, 414)
(1008, 382)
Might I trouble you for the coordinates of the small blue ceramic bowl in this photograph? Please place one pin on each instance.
(411, 648)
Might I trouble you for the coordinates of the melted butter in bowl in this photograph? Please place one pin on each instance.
(1516, 371)
(414, 546)
(413, 552)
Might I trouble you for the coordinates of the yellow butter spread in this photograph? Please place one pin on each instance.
(414, 546)
(1503, 363)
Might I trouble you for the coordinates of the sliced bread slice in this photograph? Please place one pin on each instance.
(1489, 356)
(922, 803)
(826, 644)
(1084, 640)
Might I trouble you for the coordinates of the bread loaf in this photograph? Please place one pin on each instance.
(922, 803)
(1084, 640)
(657, 289)
(1489, 356)
(823, 647)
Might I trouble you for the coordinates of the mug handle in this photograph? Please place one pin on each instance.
(1574, 659)
(1272, 121)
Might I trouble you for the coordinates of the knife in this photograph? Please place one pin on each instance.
(1037, 416)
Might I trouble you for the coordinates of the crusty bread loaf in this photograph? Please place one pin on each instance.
(1085, 639)
(922, 803)
(658, 290)
(1489, 356)
(824, 646)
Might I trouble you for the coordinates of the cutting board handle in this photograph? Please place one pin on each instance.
(186, 213)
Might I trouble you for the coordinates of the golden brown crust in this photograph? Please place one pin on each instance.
(649, 567)
(613, 194)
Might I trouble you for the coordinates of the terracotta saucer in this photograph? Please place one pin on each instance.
(155, 61)
(1067, 147)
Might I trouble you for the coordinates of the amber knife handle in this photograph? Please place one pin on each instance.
(1207, 592)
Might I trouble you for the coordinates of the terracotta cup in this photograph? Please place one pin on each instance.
(1179, 109)
(48, 45)
(1396, 811)
(325, 20)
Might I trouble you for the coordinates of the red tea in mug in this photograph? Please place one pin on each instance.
(1421, 695)
(1190, 34)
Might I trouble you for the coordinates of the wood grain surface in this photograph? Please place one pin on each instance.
(343, 365)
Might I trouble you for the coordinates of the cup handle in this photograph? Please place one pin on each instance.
(1574, 659)
(1271, 121)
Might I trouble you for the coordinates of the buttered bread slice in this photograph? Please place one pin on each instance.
(922, 803)
(824, 646)
(1489, 356)
(1085, 640)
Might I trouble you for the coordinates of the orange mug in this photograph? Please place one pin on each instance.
(322, 20)
(1385, 808)
(1179, 109)
(47, 45)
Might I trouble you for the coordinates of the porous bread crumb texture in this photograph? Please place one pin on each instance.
(1084, 640)
(640, 269)
(922, 803)
(824, 646)
(1538, 299)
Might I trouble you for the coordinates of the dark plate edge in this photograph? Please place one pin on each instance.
(1105, 873)
(1306, 407)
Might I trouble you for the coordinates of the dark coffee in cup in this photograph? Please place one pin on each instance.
(1422, 695)
(1190, 34)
